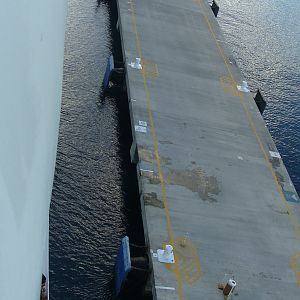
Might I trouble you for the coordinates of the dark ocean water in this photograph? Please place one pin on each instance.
(265, 39)
(93, 180)
(88, 215)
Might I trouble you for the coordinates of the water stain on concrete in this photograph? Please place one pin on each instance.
(147, 154)
(267, 276)
(166, 160)
(166, 142)
(281, 212)
(152, 176)
(275, 162)
(153, 200)
(154, 179)
(197, 181)
(280, 178)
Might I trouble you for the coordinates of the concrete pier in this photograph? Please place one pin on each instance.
(212, 182)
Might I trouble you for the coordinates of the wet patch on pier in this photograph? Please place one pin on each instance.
(166, 142)
(264, 275)
(280, 178)
(152, 177)
(153, 200)
(279, 211)
(275, 162)
(197, 181)
(148, 155)
(145, 154)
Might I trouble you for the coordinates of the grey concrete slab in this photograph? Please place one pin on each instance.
(209, 185)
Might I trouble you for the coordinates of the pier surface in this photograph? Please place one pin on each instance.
(212, 182)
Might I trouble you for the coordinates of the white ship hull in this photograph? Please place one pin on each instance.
(31, 70)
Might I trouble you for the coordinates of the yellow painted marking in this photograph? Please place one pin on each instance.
(149, 69)
(295, 264)
(157, 157)
(229, 86)
(187, 260)
(249, 118)
(292, 218)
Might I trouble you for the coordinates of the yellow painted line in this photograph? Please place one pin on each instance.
(150, 69)
(157, 157)
(188, 263)
(292, 218)
(229, 86)
(295, 264)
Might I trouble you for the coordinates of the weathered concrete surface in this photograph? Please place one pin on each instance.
(208, 181)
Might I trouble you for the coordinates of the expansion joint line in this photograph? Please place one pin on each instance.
(156, 152)
(292, 218)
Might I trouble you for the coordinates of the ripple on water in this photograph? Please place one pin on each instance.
(87, 215)
(265, 39)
